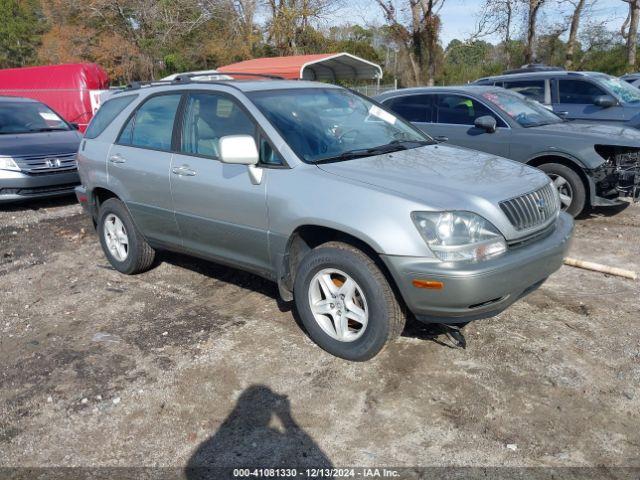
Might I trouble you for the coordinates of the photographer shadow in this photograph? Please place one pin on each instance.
(260, 432)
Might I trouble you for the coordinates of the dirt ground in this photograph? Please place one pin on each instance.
(194, 363)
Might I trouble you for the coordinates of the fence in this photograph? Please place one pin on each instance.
(373, 90)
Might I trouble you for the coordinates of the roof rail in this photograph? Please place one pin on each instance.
(533, 67)
(189, 76)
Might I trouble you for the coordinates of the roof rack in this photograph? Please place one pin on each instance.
(192, 78)
(533, 67)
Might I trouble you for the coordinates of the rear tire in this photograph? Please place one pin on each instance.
(339, 330)
(123, 245)
(573, 193)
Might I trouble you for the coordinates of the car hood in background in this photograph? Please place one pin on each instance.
(592, 132)
(443, 176)
(39, 143)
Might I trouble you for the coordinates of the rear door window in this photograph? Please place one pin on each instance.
(105, 115)
(460, 110)
(152, 125)
(533, 89)
(578, 91)
(414, 108)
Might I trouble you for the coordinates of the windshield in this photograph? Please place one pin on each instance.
(625, 92)
(28, 117)
(331, 124)
(528, 113)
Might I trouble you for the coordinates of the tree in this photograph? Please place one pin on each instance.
(629, 31)
(20, 31)
(534, 7)
(497, 17)
(152, 26)
(419, 40)
(578, 7)
(290, 23)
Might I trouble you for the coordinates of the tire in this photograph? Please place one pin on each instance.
(138, 255)
(573, 187)
(373, 295)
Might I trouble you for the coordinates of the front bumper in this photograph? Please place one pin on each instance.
(16, 186)
(480, 290)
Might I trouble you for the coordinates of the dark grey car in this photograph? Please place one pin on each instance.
(582, 96)
(37, 151)
(590, 164)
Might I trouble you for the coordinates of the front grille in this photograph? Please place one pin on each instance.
(532, 209)
(36, 164)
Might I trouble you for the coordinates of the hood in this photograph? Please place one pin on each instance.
(39, 143)
(443, 176)
(594, 133)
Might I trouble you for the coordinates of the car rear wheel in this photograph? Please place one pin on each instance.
(571, 189)
(346, 303)
(125, 248)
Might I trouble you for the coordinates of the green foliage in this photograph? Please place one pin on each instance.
(20, 30)
(138, 39)
(465, 62)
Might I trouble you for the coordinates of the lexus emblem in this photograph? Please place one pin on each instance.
(541, 204)
(53, 162)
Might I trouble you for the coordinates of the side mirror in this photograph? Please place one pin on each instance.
(239, 149)
(562, 114)
(242, 150)
(486, 122)
(604, 101)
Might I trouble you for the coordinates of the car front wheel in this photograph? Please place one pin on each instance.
(346, 303)
(571, 189)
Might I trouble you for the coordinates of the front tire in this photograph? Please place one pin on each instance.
(571, 188)
(346, 303)
(123, 245)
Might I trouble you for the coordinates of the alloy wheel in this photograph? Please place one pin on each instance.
(116, 237)
(338, 305)
(564, 190)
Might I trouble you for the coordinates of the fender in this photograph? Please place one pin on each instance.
(582, 169)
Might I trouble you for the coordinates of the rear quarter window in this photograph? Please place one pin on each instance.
(105, 115)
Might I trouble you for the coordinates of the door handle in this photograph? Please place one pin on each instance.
(117, 158)
(183, 171)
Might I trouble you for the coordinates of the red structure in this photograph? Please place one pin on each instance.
(324, 66)
(72, 90)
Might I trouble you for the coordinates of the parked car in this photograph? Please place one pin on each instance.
(582, 96)
(589, 164)
(37, 151)
(355, 213)
(632, 78)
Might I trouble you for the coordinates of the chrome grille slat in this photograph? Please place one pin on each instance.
(36, 164)
(532, 209)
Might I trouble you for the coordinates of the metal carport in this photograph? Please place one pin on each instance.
(325, 67)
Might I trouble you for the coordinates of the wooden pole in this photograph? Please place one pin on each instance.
(597, 267)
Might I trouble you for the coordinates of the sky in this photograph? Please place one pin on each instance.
(459, 16)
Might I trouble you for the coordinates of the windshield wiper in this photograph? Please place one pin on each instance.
(48, 129)
(390, 147)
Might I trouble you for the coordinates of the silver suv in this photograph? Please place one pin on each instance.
(356, 214)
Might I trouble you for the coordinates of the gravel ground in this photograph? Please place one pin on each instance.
(192, 363)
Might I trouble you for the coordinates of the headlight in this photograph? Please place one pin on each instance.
(456, 236)
(7, 163)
